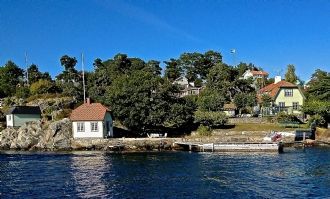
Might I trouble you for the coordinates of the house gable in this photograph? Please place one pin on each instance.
(284, 95)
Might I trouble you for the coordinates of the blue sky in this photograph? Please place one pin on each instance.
(270, 34)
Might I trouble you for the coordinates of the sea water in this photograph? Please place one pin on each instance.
(294, 174)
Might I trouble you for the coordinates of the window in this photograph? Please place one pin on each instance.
(9, 117)
(288, 92)
(80, 127)
(94, 126)
(295, 105)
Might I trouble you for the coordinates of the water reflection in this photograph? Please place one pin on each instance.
(88, 170)
(165, 175)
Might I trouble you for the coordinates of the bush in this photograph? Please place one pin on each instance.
(22, 92)
(211, 118)
(318, 119)
(42, 86)
(284, 117)
(204, 131)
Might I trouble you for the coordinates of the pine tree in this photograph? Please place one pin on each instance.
(290, 75)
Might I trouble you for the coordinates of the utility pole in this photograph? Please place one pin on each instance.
(233, 52)
(27, 71)
(83, 75)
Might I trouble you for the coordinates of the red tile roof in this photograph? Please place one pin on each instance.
(89, 112)
(263, 73)
(272, 89)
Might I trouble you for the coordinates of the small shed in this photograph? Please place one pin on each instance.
(18, 115)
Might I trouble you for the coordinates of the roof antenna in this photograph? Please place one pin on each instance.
(27, 69)
(83, 75)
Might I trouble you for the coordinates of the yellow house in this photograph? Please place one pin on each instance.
(285, 95)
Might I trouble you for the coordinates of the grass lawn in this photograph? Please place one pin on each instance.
(262, 127)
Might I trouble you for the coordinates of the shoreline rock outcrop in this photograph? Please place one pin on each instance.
(57, 136)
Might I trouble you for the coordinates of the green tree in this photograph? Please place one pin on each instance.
(197, 65)
(11, 76)
(290, 75)
(226, 81)
(22, 92)
(244, 100)
(34, 74)
(211, 118)
(266, 100)
(318, 108)
(240, 101)
(211, 100)
(143, 101)
(153, 67)
(319, 86)
(173, 70)
(70, 74)
(98, 63)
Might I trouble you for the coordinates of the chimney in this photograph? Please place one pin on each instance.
(277, 79)
(88, 100)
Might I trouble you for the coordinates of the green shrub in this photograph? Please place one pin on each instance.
(204, 130)
(319, 120)
(284, 117)
(42, 86)
(211, 118)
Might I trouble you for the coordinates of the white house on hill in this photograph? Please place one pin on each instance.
(186, 87)
(91, 120)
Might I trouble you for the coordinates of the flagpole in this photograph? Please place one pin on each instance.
(83, 74)
(27, 69)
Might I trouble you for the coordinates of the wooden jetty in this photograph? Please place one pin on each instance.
(232, 146)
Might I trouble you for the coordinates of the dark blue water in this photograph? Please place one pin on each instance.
(295, 174)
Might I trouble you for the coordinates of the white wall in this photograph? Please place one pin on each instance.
(10, 123)
(87, 131)
(247, 74)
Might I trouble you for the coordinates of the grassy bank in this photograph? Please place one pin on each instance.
(261, 127)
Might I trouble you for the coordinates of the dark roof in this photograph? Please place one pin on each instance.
(25, 110)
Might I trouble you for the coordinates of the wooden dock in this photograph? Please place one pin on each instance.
(232, 147)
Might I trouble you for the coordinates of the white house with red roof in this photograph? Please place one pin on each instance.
(286, 96)
(255, 74)
(91, 120)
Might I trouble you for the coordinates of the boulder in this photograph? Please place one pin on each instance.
(28, 135)
(57, 136)
(6, 137)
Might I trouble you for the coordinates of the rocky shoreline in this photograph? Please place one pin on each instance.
(57, 136)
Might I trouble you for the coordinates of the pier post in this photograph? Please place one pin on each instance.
(304, 136)
(280, 147)
(190, 147)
